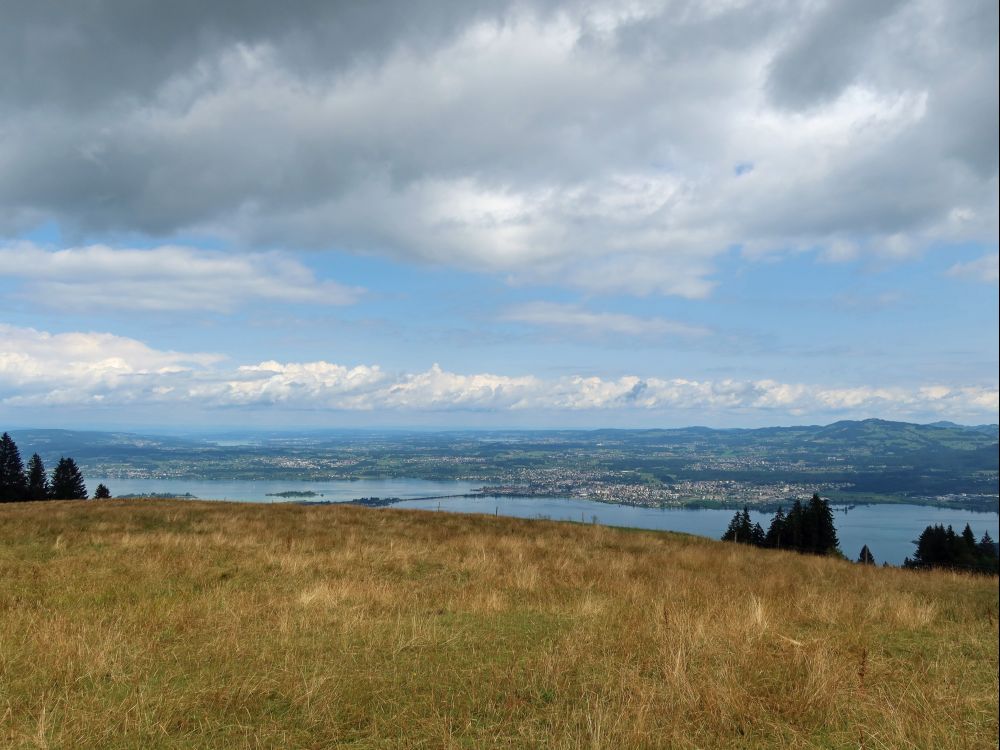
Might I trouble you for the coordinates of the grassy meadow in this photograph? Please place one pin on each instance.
(172, 624)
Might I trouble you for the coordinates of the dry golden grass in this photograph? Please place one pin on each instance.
(131, 624)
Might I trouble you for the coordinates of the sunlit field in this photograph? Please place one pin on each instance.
(194, 624)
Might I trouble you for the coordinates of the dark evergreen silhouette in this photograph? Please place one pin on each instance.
(866, 557)
(16, 483)
(13, 482)
(732, 532)
(102, 492)
(987, 548)
(807, 528)
(776, 531)
(740, 529)
(821, 534)
(794, 528)
(941, 547)
(38, 480)
(968, 538)
(67, 481)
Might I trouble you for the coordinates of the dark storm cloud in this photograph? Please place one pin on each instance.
(585, 143)
(830, 51)
(81, 54)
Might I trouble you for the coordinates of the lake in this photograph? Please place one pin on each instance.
(337, 490)
(888, 530)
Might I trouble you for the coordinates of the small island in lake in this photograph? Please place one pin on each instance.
(369, 502)
(375, 502)
(294, 493)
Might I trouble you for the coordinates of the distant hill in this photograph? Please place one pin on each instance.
(90, 446)
(872, 460)
(78, 440)
(905, 435)
(875, 438)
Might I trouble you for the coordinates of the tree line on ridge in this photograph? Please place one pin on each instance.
(21, 483)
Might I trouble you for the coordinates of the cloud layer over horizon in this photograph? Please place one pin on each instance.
(40, 370)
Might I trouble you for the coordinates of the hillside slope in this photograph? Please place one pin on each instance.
(184, 624)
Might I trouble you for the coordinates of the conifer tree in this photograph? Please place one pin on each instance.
(866, 557)
(987, 547)
(38, 481)
(732, 533)
(67, 481)
(930, 547)
(757, 535)
(746, 527)
(940, 547)
(804, 529)
(742, 530)
(811, 531)
(793, 538)
(986, 554)
(955, 553)
(968, 538)
(828, 543)
(13, 483)
(945, 546)
(965, 552)
(102, 492)
(776, 531)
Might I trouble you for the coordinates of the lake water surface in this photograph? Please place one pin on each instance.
(888, 530)
(337, 490)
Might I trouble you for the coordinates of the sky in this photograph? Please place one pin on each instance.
(539, 214)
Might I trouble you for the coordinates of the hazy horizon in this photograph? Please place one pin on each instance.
(234, 429)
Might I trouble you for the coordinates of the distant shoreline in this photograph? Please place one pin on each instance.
(837, 507)
(841, 502)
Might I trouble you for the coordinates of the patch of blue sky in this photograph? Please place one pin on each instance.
(795, 317)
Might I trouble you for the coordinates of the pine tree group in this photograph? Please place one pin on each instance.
(940, 547)
(18, 484)
(742, 531)
(806, 528)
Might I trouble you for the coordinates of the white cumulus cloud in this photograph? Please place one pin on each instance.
(37, 367)
(42, 369)
(164, 278)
